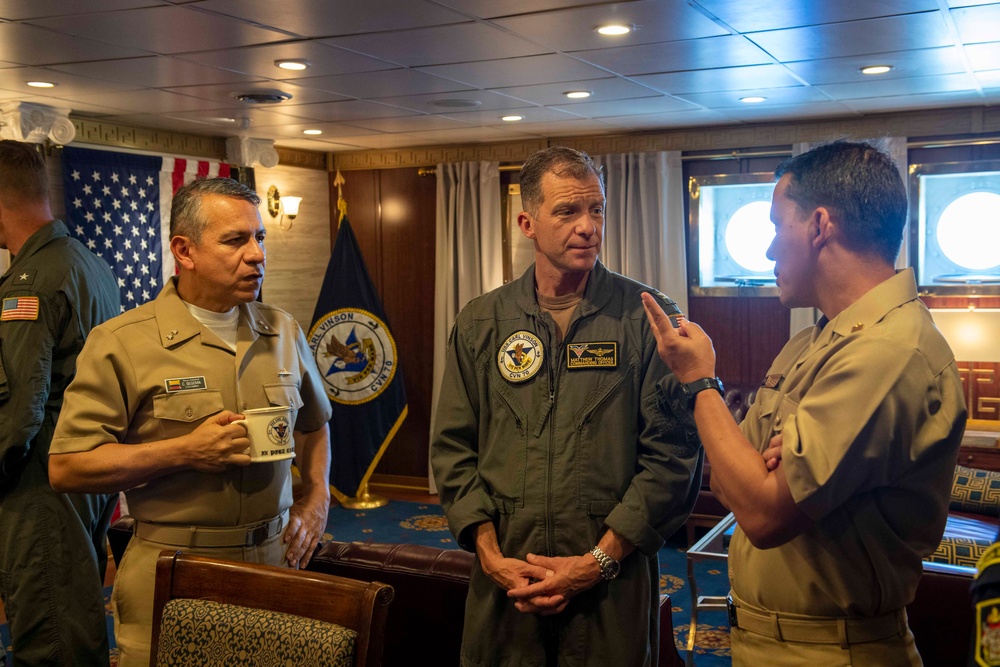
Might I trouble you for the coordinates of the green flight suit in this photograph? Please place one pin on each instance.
(52, 545)
(552, 445)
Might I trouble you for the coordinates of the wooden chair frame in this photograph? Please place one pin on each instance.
(357, 605)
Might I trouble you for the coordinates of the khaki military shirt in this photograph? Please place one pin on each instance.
(871, 411)
(155, 373)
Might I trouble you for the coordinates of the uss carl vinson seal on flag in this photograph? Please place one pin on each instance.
(355, 353)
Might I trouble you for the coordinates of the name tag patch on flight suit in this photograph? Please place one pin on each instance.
(185, 384)
(592, 355)
(520, 357)
(19, 308)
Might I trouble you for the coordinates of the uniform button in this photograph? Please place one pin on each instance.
(188, 412)
(244, 405)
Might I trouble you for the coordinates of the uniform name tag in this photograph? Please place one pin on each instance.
(592, 355)
(185, 384)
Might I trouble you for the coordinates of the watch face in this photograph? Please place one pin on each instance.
(613, 568)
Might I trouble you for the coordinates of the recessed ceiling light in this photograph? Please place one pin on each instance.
(578, 94)
(511, 119)
(294, 64)
(312, 131)
(614, 29)
(753, 99)
(41, 84)
(876, 69)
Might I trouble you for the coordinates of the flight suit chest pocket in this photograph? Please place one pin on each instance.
(187, 406)
(283, 394)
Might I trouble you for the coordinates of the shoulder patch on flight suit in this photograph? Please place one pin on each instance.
(19, 308)
(987, 649)
(603, 354)
(520, 357)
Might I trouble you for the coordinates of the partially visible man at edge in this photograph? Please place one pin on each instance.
(556, 452)
(53, 549)
(859, 421)
(172, 446)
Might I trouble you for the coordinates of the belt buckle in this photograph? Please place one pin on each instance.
(257, 535)
(731, 609)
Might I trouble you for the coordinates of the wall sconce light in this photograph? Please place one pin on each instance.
(287, 206)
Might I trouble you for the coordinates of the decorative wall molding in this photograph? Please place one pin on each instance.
(432, 155)
(158, 141)
(34, 123)
(293, 157)
(953, 121)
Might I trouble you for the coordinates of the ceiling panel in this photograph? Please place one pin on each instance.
(978, 24)
(775, 97)
(913, 31)
(259, 60)
(517, 71)
(654, 21)
(455, 102)
(752, 16)
(327, 18)
(16, 10)
(895, 87)
(712, 80)
(708, 53)
(984, 56)
(384, 83)
(905, 64)
(614, 88)
(153, 72)
(462, 42)
(626, 107)
(405, 68)
(28, 45)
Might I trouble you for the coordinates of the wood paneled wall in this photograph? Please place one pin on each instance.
(392, 213)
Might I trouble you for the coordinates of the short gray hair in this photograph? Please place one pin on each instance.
(561, 161)
(185, 212)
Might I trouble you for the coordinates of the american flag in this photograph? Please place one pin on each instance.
(118, 205)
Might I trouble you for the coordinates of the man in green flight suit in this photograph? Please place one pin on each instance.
(560, 459)
(52, 545)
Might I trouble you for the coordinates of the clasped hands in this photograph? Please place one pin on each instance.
(541, 584)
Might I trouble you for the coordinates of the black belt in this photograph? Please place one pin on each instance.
(250, 535)
(843, 631)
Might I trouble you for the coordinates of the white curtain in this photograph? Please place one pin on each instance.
(644, 229)
(469, 251)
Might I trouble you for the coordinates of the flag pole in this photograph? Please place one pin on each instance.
(364, 500)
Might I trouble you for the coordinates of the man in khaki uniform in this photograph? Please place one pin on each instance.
(152, 407)
(859, 421)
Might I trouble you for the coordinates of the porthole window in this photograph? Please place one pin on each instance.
(731, 232)
(957, 225)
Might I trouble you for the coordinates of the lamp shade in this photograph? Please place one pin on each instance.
(291, 205)
(974, 335)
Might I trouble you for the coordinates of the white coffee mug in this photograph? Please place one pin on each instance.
(270, 433)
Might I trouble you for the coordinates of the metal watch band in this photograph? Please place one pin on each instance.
(609, 566)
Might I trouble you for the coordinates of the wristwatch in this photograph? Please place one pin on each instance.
(609, 566)
(691, 389)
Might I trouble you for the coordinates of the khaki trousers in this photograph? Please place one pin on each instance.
(132, 599)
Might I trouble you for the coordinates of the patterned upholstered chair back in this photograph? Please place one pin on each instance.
(209, 612)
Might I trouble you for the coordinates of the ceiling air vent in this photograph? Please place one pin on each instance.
(268, 96)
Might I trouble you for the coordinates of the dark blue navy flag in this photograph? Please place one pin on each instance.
(356, 356)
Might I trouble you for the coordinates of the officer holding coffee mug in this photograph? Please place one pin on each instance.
(158, 390)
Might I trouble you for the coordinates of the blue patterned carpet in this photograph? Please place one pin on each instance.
(416, 523)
